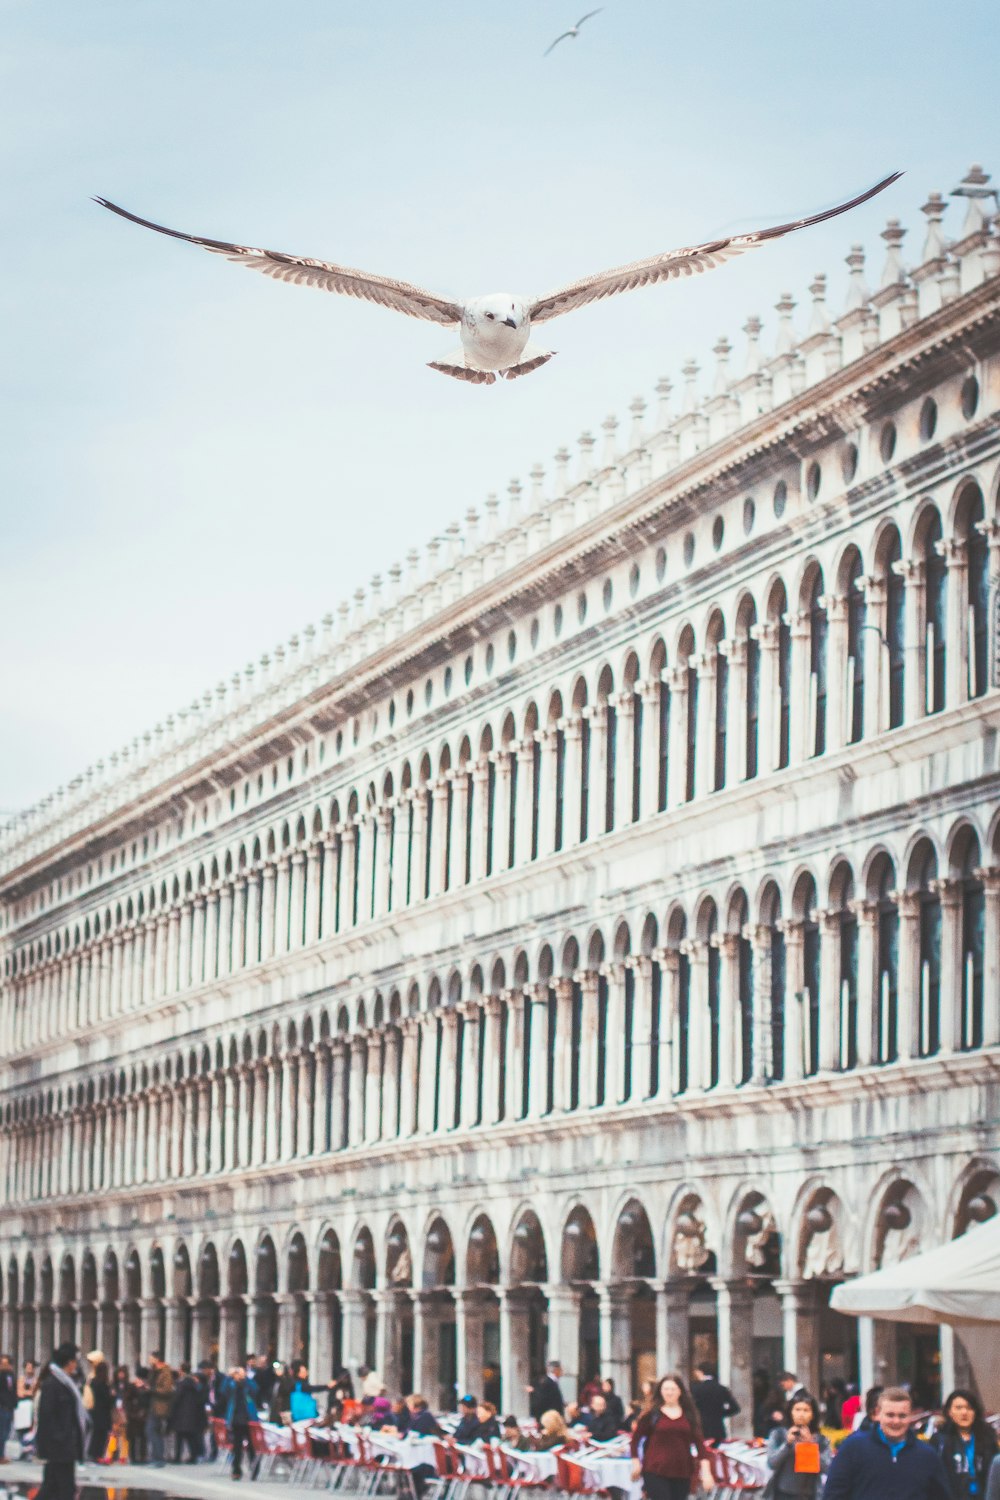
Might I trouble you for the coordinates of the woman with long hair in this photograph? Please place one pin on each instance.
(667, 1445)
(554, 1432)
(967, 1444)
(798, 1454)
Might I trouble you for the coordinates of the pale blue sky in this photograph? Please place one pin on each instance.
(195, 462)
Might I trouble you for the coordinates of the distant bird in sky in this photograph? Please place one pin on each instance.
(573, 31)
(495, 330)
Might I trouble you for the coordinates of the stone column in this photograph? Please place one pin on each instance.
(514, 1069)
(212, 933)
(501, 810)
(763, 1048)
(572, 727)
(353, 1307)
(588, 982)
(616, 1335)
(670, 964)
(469, 1063)
(676, 679)
(418, 843)
(796, 1007)
(383, 859)
(734, 1314)
(908, 905)
(480, 817)
(673, 1338)
(306, 1085)
(149, 1325)
(525, 751)
(439, 837)
(426, 1072)
(492, 1019)
(800, 1330)
(228, 894)
(949, 893)
(449, 1070)
(699, 1035)
(829, 989)
(562, 1093)
(564, 1335)
(990, 877)
(425, 1374)
(346, 868)
(614, 1036)
(173, 951)
(321, 1335)
(374, 1073)
(515, 1358)
(408, 1074)
(548, 738)
(282, 903)
(297, 899)
(915, 638)
(356, 1123)
(328, 903)
(340, 1047)
(799, 694)
(728, 944)
(867, 915)
(954, 551)
(649, 690)
(622, 787)
(367, 834)
(705, 729)
(837, 707)
(766, 634)
(173, 1345)
(597, 810)
(241, 900)
(538, 1068)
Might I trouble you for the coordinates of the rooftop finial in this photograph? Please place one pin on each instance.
(752, 328)
(722, 350)
(784, 342)
(976, 189)
(858, 294)
(894, 272)
(818, 321)
(935, 245)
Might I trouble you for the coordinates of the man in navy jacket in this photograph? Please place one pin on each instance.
(889, 1462)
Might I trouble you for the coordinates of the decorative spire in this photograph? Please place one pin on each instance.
(514, 512)
(638, 409)
(492, 516)
(562, 471)
(537, 487)
(610, 446)
(471, 529)
(664, 387)
(975, 188)
(752, 328)
(784, 342)
(935, 245)
(722, 350)
(894, 272)
(689, 370)
(586, 443)
(819, 323)
(858, 294)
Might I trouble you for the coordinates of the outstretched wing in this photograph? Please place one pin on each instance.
(558, 39)
(588, 16)
(303, 271)
(675, 263)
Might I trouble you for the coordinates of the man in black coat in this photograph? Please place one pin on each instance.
(547, 1395)
(62, 1427)
(8, 1401)
(715, 1403)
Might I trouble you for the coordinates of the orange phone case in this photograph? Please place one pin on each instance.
(807, 1458)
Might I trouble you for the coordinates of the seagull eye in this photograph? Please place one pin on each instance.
(491, 316)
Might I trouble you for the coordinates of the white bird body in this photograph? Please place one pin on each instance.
(495, 330)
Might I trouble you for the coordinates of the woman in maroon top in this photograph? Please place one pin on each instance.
(669, 1434)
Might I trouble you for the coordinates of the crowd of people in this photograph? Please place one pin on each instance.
(77, 1409)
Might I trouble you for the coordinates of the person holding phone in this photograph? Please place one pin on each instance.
(798, 1454)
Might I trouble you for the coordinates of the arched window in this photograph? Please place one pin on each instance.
(973, 944)
(560, 785)
(629, 984)
(968, 524)
(817, 666)
(744, 961)
(857, 611)
(683, 1020)
(887, 964)
(602, 1038)
(751, 647)
(935, 607)
(930, 955)
(714, 998)
(536, 791)
(848, 979)
(637, 713)
(584, 778)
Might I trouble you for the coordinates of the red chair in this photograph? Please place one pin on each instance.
(731, 1477)
(573, 1479)
(223, 1442)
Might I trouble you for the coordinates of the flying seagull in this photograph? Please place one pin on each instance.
(495, 330)
(573, 30)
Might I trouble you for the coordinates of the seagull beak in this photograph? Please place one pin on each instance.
(509, 323)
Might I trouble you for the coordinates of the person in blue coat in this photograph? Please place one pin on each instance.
(241, 1410)
(889, 1462)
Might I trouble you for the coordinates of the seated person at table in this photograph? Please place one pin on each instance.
(468, 1425)
(513, 1436)
(554, 1432)
(601, 1424)
(614, 1402)
(380, 1413)
(422, 1420)
(489, 1427)
(399, 1416)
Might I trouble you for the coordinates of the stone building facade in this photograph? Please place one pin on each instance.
(586, 944)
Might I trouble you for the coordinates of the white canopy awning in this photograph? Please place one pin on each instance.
(957, 1283)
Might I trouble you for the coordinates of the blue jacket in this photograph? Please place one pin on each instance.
(250, 1392)
(865, 1469)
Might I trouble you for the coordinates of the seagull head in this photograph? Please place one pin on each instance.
(500, 310)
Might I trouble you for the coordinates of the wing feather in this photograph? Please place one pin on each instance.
(689, 261)
(301, 270)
